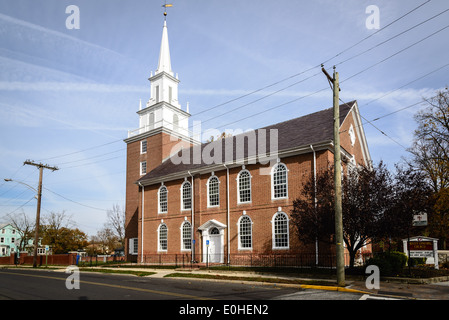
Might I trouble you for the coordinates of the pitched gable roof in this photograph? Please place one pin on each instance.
(303, 131)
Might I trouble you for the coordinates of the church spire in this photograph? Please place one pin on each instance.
(164, 54)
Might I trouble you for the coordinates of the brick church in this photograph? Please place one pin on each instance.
(229, 197)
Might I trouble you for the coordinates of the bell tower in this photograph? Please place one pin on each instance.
(163, 130)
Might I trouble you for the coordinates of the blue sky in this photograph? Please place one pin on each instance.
(68, 96)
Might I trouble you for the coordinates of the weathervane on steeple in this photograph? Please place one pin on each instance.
(165, 6)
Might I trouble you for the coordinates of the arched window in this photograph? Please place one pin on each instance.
(186, 236)
(280, 231)
(214, 230)
(213, 189)
(245, 233)
(163, 236)
(163, 199)
(279, 189)
(186, 196)
(244, 186)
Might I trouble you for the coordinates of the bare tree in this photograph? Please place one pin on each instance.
(430, 151)
(116, 223)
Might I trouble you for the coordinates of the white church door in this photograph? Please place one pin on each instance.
(215, 246)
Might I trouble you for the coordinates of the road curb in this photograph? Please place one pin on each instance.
(333, 288)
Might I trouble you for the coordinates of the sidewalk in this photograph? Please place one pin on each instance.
(431, 291)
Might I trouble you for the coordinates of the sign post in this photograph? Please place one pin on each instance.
(47, 248)
(207, 254)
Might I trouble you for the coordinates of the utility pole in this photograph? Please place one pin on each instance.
(337, 180)
(38, 211)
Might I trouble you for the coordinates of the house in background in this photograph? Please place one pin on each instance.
(9, 240)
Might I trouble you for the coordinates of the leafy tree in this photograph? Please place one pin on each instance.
(366, 197)
(313, 214)
(411, 194)
(56, 233)
(430, 154)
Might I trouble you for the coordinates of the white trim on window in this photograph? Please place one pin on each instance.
(143, 168)
(280, 231)
(162, 238)
(186, 236)
(143, 146)
(247, 195)
(215, 202)
(162, 199)
(186, 203)
(247, 230)
(279, 185)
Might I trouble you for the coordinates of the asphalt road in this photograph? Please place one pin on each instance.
(177, 297)
(29, 284)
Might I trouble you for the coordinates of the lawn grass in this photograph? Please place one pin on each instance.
(118, 271)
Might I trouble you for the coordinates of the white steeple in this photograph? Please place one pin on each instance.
(162, 110)
(164, 54)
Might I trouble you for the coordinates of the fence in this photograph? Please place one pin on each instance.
(244, 260)
(99, 260)
(53, 259)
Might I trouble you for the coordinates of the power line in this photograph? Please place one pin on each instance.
(76, 202)
(393, 37)
(370, 122)
(366, 38)
(396, 53)
(90, 148)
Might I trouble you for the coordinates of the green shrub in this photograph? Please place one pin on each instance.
(384, 266)
(389, 263)
(416, 261)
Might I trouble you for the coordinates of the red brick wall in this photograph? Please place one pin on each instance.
(159, 147)
(260, 210)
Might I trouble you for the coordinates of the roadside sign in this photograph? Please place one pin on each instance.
(420, 219)
(421, 247)
(207, 242)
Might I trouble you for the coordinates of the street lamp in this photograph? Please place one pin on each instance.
(38, 212)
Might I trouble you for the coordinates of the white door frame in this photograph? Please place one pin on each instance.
(205, 229)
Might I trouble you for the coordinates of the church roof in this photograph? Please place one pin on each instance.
(304, 131)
